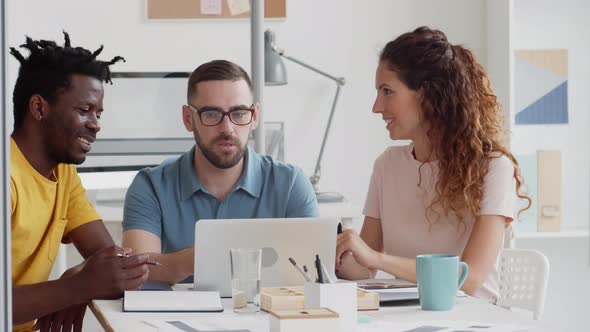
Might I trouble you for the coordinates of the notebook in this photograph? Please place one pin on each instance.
(377, 284)
(394, 289)
(171, 301)
(390, 289)
(156, 285)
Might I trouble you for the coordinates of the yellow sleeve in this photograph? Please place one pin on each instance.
(12, 197)
(80, 210)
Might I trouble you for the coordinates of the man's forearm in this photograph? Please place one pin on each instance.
(30, 302)
(175, 267)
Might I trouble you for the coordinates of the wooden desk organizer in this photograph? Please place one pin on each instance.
(317, 319)
(286, 298)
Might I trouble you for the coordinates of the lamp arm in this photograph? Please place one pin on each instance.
(339, 80)
(315, 178)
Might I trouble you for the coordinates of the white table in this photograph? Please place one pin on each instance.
(110, 315)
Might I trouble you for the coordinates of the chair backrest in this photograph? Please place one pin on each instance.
(509, 240)
(523, 276)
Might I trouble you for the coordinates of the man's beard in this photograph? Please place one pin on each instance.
(61, 148)
(224, 160)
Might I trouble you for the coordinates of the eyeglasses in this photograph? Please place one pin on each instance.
(210, 116)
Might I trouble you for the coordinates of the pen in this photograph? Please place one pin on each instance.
(339, 231)
(306, 272)
(307, 278)
(318, 267)
(147, 262)
(327, 277)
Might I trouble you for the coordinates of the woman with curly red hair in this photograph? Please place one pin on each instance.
(449, 191)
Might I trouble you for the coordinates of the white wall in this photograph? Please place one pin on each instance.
(342, 37)
(499, 22)
(566, 303)
(550, 24)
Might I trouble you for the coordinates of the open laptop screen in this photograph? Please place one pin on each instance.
(279, 239)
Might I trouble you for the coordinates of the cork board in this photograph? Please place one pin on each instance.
(191, 9)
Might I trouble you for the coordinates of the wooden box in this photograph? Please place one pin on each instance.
(285, 298)
(309, 320)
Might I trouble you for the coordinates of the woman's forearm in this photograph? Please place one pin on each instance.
(351, 270)
(400, 267)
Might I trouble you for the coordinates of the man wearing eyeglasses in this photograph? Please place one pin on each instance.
(220, 177)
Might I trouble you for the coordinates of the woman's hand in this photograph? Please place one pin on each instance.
(349, 242)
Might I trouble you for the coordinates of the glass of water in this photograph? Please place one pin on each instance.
(245, 279)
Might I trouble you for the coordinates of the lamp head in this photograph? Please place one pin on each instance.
(275, 72)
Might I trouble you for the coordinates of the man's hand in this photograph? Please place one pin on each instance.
(105, 275)
(66, 320)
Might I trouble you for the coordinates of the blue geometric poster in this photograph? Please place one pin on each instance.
(541, 86)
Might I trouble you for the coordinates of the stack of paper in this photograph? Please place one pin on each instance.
(393, 289)
(440, 326)
(259, 323)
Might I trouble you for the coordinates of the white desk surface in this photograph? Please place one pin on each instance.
(109, 314)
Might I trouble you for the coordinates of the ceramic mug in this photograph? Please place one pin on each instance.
(438, 280)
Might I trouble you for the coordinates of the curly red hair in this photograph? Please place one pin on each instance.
(466, 120)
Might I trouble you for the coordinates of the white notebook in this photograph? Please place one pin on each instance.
(172, 301)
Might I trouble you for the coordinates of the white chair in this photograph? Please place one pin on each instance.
(509, 240)
(522, 276)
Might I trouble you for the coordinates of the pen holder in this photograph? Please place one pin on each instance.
(339, 297)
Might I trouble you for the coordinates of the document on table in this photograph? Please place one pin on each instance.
(172, 301)
(441, 326)
(228, 324)
(393, 289)
(373, 284)
(402, 294)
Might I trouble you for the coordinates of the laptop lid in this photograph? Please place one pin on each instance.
(279, 239)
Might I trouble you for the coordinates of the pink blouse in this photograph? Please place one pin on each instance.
(395, 198)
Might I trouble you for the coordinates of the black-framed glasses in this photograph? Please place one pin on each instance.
(211, 116)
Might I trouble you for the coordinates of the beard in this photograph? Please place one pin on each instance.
(67, 156)
(75, 160)
(221, 160)
(62, 144)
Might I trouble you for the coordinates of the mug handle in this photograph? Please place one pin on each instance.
(464, 273)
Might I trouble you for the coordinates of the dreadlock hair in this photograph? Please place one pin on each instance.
(48, 70)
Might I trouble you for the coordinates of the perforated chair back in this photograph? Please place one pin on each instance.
(523, 276)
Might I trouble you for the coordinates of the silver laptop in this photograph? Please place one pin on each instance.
(279, 239)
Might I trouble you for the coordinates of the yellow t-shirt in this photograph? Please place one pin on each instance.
(44, 211)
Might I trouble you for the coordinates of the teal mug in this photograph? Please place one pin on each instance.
(438, 280)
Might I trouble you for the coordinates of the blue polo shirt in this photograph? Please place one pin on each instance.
(169, 199)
